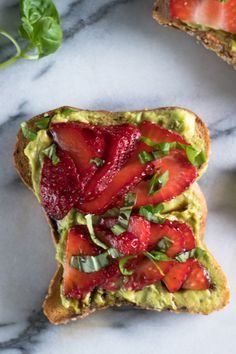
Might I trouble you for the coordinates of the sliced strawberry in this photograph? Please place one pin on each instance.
(198, 279)
(212, 13)
(138, 226)
(146, 272)
(121, 141)
(179, 233)
(77, 284)
(177, 275)
(181, 175)
(59, 185)
(113, 277)
(83, 142)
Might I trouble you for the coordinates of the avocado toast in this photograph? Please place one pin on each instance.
(212, 22)
(185, 276)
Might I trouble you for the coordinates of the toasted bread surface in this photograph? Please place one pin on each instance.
(209, 38)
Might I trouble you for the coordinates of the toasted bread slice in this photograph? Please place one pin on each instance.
(202, 302)
(210, 38)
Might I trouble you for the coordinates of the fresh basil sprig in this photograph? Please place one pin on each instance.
(157, 182)
(149, 213)
(124, 214)
(91, 264)
(194, 253)
(27, 133)
(89, 221)
(40, 27)
(51, 152)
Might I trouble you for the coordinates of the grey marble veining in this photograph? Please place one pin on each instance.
(114, 56)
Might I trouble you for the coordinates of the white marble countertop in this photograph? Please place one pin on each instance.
(115, 57)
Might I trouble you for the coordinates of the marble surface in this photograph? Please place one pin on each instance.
(116, 57)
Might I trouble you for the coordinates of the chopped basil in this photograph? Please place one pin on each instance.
(164, 244)
(90, 264)
(27, 133)
(195, 253)
(97, 161)
(43, 123)
(124, 214)
(52, 154)
(145, 157)
(157, 182)
(89, 221)
(157, 256)
(149, 211)
(122, 263)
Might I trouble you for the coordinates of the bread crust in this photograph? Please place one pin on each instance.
(208, 38)
(52, 306)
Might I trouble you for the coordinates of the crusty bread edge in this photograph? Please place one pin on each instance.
(207, 38)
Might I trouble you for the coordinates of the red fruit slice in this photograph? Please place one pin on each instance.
(198, 278)
(212, 13)
(83, 142)
(179, 233)
(121, 141)
(146, 272)
(181, 175)
(77, 284)
(177, 275)
(59, 185)
(113, 277)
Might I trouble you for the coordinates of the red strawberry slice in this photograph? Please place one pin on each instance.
(198, 278)
(138, 227)
(179, 233)
(212, 13)
(77, 284)
(177, 275)
(146, 272)
(181, 175)
(83, 142)
(59, 185)
(113, 277)
(121, 141)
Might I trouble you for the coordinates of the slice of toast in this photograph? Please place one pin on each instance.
(203, 301)
(210, 38)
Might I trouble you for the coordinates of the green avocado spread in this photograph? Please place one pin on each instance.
(185, 207)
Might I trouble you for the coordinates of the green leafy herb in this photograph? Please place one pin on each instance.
(149, 212)
(164, 244)
(145, 157)
(122, 263)
(89, 221)
(43, 123)
(90, 264)
(195, 253)
(124, 214)
(40, 26)
(28, 134)
(157, 256)
(51, 152)
(97, 161)
(157, 182)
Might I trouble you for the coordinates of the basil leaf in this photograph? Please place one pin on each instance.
(157, 256)
(124, 214)
(122, 263)
(194, 253)
(52, 154)
(145, 157)
(149, 211)
(43, 123)
(157, 182)
(91, 264)
(97, 161)
(89, 221)
(164, 244)
(27, 133)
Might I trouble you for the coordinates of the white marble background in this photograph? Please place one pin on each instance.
(114, 56)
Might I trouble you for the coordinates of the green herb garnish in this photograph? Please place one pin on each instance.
(40, 27)
(97, 161)
(90, 264)
(164, 244)
(27, 133)
(122, 263)
(124, 214)
(157, 182)
(157, 256)
(149, 213)
(89, 221)
(195, 253)
(43, 123)
(51, 152)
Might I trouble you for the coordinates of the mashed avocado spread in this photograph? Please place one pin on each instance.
(185, 207)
